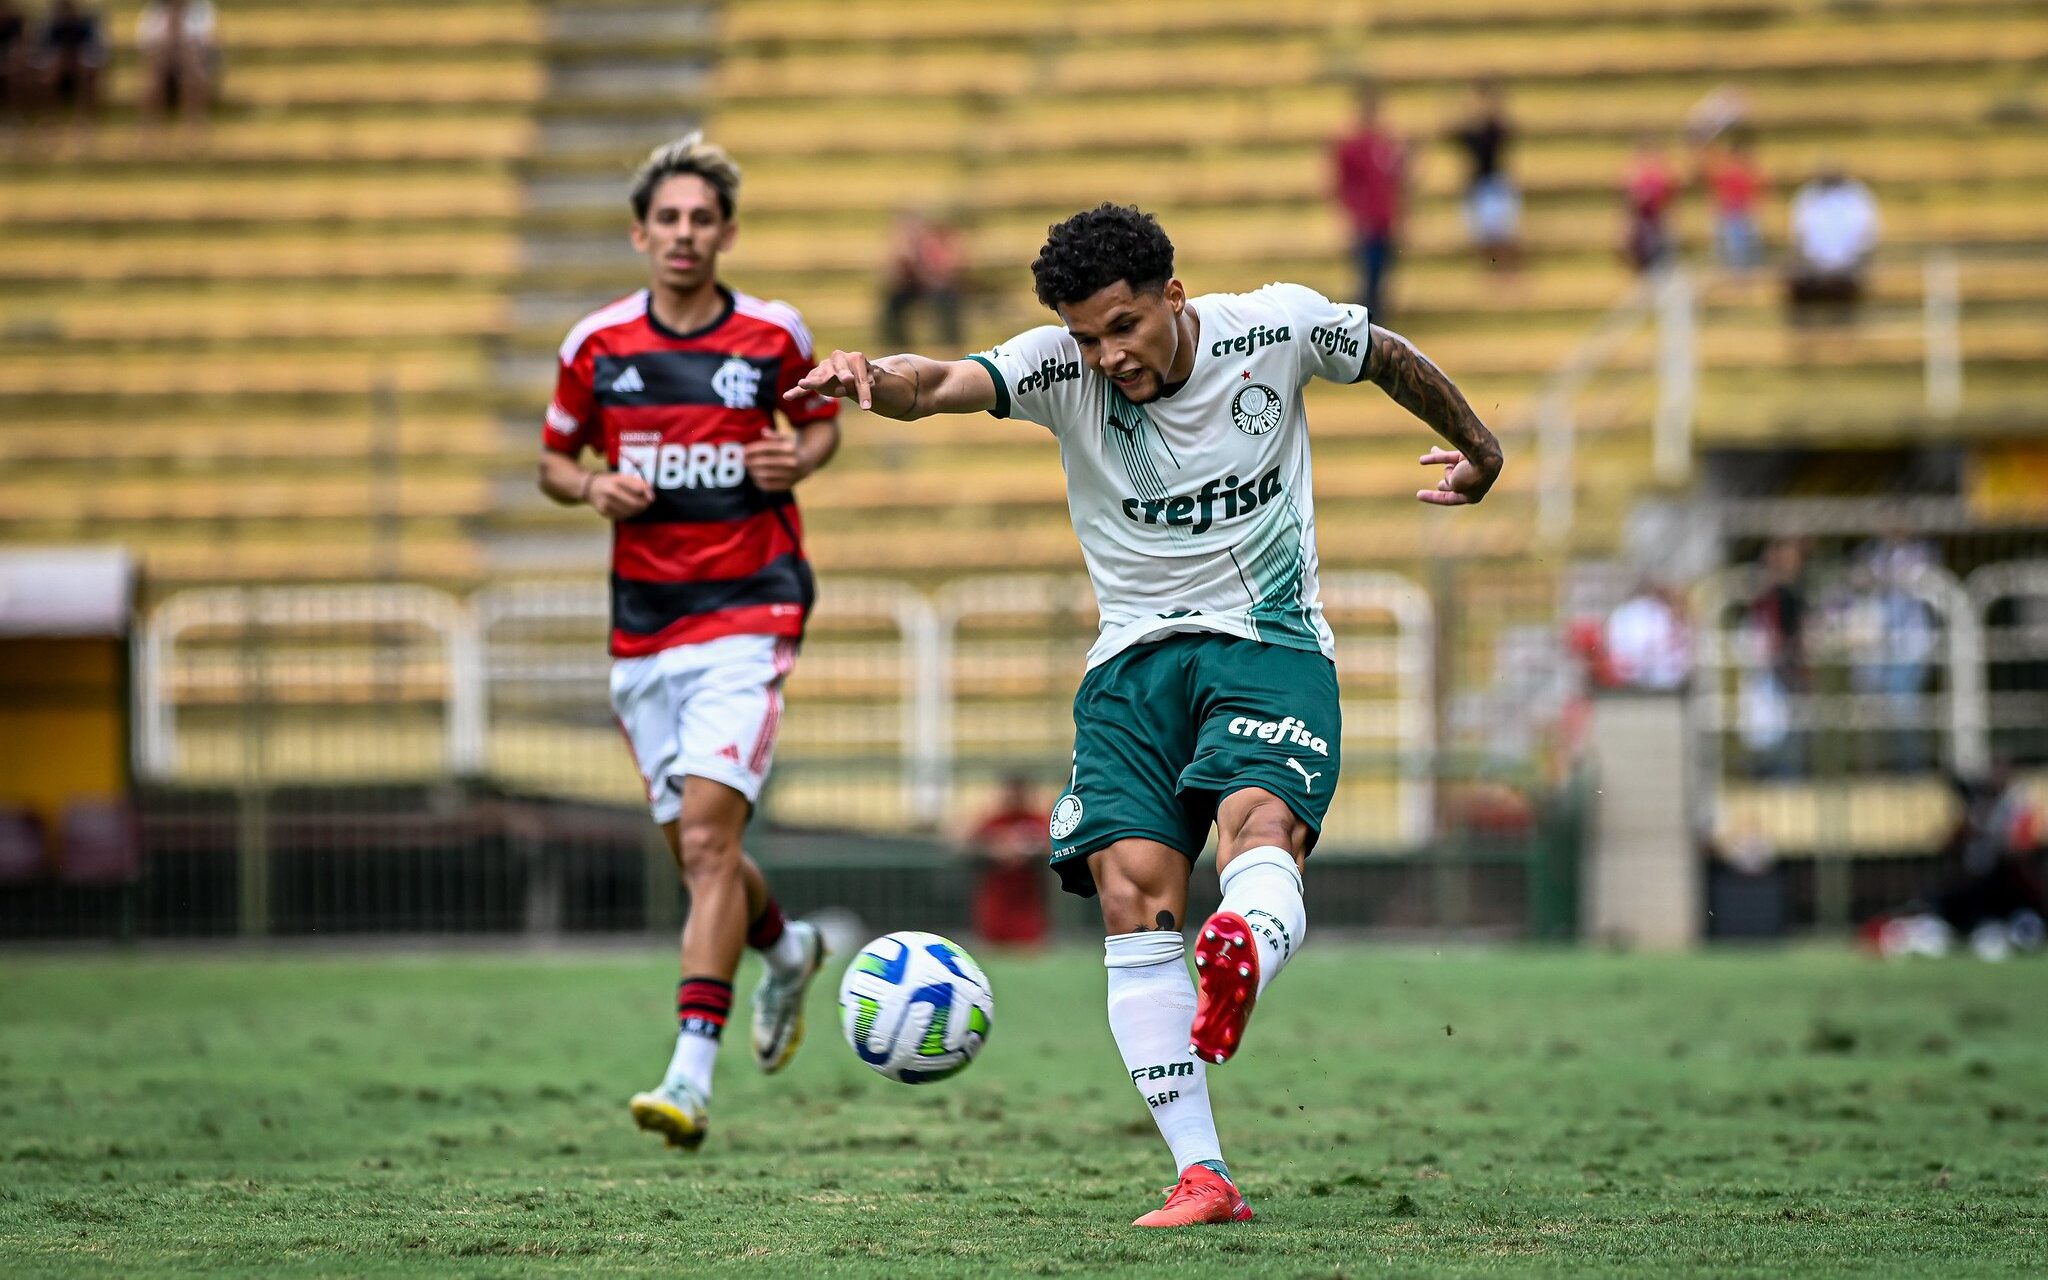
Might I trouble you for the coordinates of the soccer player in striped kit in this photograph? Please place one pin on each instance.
(676, 387)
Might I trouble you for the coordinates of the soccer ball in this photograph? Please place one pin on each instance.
(915, 1007)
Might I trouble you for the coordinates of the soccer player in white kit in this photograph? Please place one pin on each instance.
(1210, 694)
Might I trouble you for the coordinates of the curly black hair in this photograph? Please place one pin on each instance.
(1098, 247)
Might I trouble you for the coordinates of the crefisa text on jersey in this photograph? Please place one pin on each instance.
(1049, 372)
(1246, 343)
(1334, 341)
(1199, 508)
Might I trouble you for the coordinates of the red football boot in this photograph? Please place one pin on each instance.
(1203, 1196)
(1227, 983)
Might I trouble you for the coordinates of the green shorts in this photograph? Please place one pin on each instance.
(1164, 731)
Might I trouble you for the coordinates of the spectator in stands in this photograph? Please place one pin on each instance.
(1371, 166)
(1777, 674)
(1834, 232)
(1647, 192)
(1493, 207)
(1736, 183)
(179, 57)
(1894, 640)
(70, 54)
(1648, 642)
(1993, 892)
(1010, 845)
(14, 59)
(926, 266)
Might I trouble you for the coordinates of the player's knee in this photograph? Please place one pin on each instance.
(1250, 819)
(709, 851)
(1129, 907)
(1136, 898)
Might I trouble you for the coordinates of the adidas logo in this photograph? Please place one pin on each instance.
(629, 381)
(729, 752)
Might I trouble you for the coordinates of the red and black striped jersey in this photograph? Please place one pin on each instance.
(714, 554)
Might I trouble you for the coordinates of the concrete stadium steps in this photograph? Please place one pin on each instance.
(1284, 115)
(256, 315)
(214, 442)
(884, 67)
(1245, 237)
(404, 76)
(340, 551)
(910, 21)
(1202, 174)
(1217, 115)
(63, 255)
(461, 133)
(465, 192)
(55, 501)
(1430, 294)
(262, 350)
(1752, 339)
(149, 372)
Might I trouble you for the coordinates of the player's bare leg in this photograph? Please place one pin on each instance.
(730, 905)
(1261, 843)
(1143, 887)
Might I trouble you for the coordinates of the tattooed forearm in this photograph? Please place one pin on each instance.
(1397, 368)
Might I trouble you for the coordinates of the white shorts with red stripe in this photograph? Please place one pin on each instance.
(710, 710)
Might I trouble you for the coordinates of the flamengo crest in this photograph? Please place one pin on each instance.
(737, 383)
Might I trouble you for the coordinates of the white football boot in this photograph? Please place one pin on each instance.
(676, 1111)
(779, 1002)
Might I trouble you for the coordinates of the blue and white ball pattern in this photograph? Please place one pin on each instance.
(915, 1007)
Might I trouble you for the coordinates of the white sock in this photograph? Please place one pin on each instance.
(694, 1057)
(1151, 1008)
(789, 954)
(1263, 886)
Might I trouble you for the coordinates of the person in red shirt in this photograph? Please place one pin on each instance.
(926, 265)
(676, 387)
(1647, 192)
(1012, 843)
(1737, 183)
(1372, 175)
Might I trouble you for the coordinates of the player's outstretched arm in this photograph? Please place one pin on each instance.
(1474, 461)
(904, 386)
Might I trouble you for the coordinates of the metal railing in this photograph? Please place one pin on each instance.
(1556, 415)
(899, 699)
(348, 655)
(2010, 604)
(1638, 383)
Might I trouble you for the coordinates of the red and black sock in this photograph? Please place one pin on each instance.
(702, 1005)
(766, 929)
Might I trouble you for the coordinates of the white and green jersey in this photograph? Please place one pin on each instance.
(1196, 512)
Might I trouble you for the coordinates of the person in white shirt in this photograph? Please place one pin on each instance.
(1834, 232)
(1648, 643)
(1210, 696)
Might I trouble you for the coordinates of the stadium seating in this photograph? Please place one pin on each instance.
(261, 350)
(1216, 116)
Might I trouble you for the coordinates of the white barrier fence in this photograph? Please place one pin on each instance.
(1793, 749)
(912, 693)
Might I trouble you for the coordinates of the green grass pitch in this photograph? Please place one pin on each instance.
(1394, 1112)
